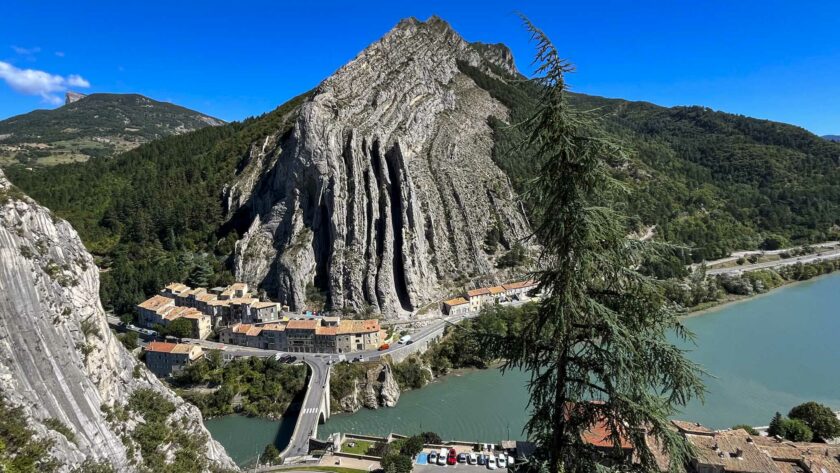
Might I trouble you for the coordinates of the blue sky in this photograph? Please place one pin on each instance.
(768, 59)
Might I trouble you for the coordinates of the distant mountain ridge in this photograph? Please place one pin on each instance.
(96, 125)
(835, 138)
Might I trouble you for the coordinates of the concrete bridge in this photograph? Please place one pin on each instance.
(315, 409)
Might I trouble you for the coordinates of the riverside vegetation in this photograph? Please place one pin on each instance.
(253, 386)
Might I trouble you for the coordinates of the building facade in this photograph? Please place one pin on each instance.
(165, 359)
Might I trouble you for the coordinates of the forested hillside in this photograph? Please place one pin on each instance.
(713, 181)
(154, 214)
(97, 125)
(710, 180)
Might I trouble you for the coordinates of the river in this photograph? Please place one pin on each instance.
(764, 355)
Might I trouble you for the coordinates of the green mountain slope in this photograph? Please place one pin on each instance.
(91, 126)
(154, 214)
(711, 180)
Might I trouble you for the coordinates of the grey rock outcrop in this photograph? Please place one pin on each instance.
(71, 97)
(377, 389)
(384, 190)
(58, 358)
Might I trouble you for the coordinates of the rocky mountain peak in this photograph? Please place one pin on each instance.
(384, 190)
(71, 97)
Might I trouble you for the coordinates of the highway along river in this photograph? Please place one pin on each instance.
(765, 354)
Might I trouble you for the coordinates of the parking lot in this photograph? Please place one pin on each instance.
(422, 464)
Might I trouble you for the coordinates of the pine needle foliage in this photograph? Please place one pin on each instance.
(598, 348)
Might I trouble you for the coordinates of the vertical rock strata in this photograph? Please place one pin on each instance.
(58, 358)
(384, 190)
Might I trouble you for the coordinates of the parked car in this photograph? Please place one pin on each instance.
(491, 462)
(510, 461)
(451, 458)
(471, 458)
(502, 461)
(433, 456)
(482, 459)
(384, 346)
(442, 457)
(462, 458)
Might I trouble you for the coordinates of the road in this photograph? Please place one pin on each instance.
(813, 258)
(310, 410)
(743, 254)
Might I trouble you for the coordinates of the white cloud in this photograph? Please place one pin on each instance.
(26, 51)
(43, 84)
(59, 53)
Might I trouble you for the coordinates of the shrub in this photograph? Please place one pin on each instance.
(396, 463)
(750, 430)
(54, 424)
(431, 437)
(819, 418)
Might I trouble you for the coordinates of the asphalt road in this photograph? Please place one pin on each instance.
(825, 255)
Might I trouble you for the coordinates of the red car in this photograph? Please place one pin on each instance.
(451, 458)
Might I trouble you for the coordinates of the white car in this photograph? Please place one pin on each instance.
(510, 461)
(491, 462)
(502, 461)
(472, 459)
(442, 457)
(432, 458)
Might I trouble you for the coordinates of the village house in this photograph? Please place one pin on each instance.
(516, 290)
(164, 359)
(220, 307)
(456, 307)
(476, 297)
(322, 335)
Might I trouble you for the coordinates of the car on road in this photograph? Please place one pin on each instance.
(451, 457)
(432, 458)
(462, 458)
(384, 346)
(491, 462)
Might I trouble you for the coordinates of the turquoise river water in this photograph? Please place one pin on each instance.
(763, 355)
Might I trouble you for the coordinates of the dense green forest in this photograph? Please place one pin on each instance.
(712, 181)
(154, 214)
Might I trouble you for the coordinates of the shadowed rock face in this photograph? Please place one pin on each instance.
(385, 189)
(58, 358)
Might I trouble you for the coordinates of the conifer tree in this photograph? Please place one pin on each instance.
(598, 349)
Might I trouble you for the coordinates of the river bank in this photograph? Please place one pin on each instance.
(733, 299)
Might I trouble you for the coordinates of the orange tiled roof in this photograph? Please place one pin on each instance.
(302, 325)
(326, 330)
(161, 347)
(519, 285)
(482, 291)
(155, 302)
(273, 327)
(456, 301)
(241, 328)
(598, 435)
(358, 326)
(496, 290)
(263, 304)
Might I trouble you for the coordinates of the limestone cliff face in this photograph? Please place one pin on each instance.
(385, 188)
(377, 389)
(58, 359)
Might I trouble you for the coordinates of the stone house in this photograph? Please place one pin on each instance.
(456, 307)
(164, 359)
